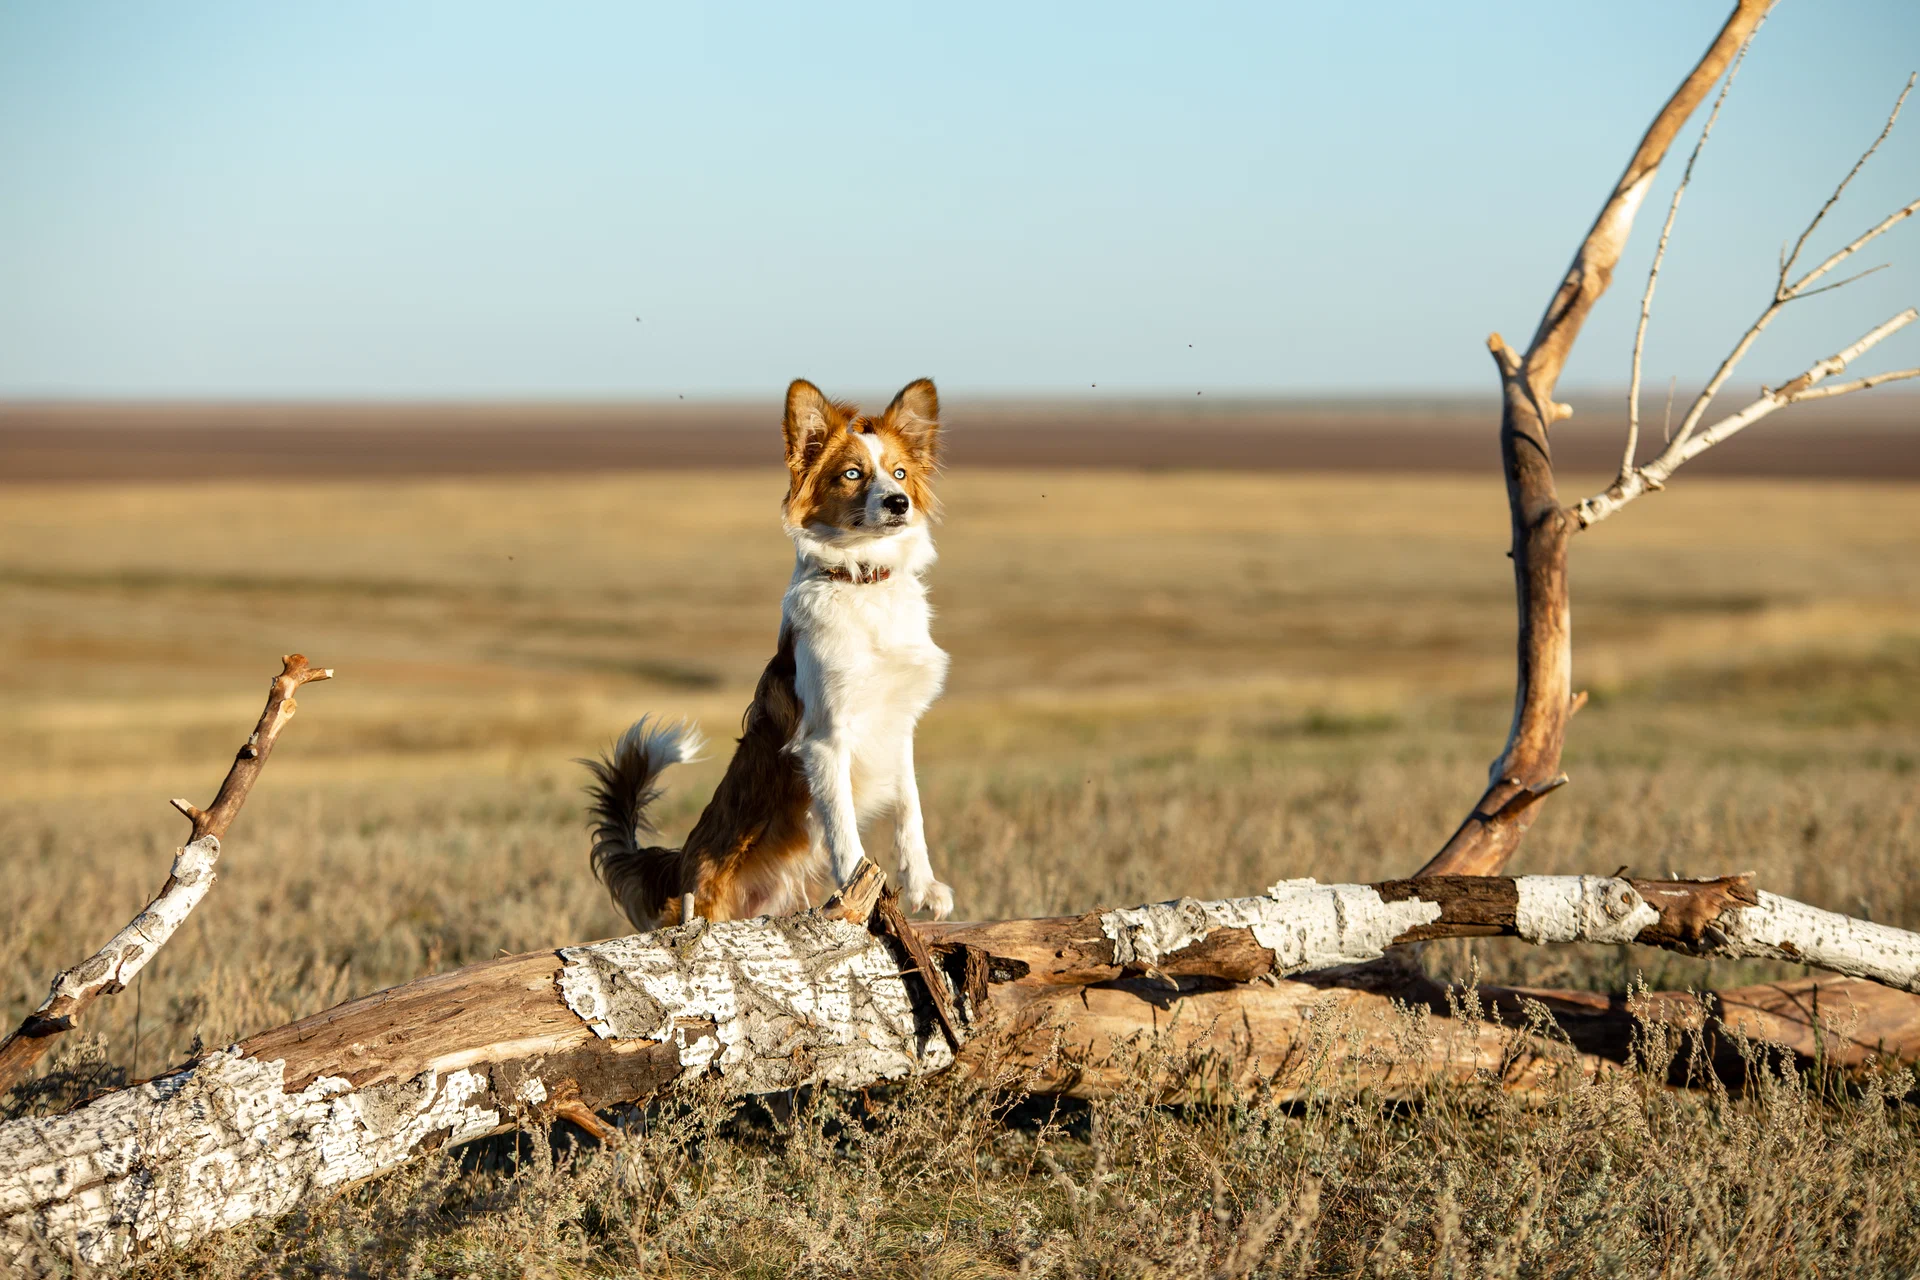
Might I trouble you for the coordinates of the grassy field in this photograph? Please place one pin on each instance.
(1164, 683)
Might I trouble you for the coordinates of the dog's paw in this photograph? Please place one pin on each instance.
(933, 896)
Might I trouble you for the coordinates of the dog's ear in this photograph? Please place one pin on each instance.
(809, 421)
(914, 416)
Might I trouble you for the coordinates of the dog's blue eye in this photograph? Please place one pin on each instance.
(852, 473)
(899, 473)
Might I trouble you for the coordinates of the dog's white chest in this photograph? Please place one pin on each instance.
(870, 647)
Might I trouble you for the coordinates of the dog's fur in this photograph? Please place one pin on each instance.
(828, 741)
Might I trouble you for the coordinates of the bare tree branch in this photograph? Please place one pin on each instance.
(113, 966)
(1682, 449)
(1785, 293)
(1791, 293)
(1798, 289)
(1788, 259)
(1540, 526)
(1593, 264)
(1858, 384)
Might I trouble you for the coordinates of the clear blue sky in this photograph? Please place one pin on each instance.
(477, 200)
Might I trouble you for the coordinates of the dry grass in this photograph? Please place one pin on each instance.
(1620, 1178)
(1163, 684)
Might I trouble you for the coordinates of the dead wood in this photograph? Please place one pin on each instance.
(891, 921)
(1542, 529)
(1529, 764)
(1197, 997)
(110, 969)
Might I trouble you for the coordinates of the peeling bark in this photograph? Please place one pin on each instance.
(763, 1005)
(113, 966)
(220, 1143)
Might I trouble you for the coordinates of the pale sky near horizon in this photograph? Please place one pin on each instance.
(480, 200)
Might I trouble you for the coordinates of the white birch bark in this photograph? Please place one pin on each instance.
(1305, 924)
(129, 950)
(766, 988)
(173, 1160)
(765, 1004)
(1580, 909)
(1782, 929)
(1308, 925)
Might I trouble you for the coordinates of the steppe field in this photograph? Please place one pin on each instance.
(1165, 682)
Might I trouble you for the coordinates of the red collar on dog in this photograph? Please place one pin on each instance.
(864, 574)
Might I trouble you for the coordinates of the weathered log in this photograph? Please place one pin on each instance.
(113, 966)
(764, 1005)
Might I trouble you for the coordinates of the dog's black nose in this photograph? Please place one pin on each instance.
(896, 503)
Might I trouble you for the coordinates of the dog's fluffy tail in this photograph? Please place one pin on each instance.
(643, 880)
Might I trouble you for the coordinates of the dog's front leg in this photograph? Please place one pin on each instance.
(917, 884)
(829, 768)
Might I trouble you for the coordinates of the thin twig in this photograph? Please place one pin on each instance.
(1798, 289)
(1660, 254)
(1841, 284)
(1838, 362)
(1788, 259)
(1785, 293)
(1684, 449)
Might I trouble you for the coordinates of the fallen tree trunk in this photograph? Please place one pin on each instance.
(826, 998)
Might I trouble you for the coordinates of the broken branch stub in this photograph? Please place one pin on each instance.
(890, 920)
(113, 966)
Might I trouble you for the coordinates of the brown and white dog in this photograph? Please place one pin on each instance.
(828, 741)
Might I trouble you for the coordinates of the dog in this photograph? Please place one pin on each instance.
(827, 743)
